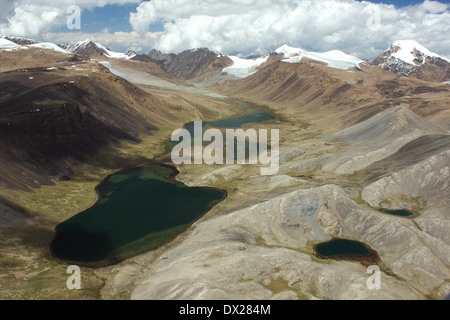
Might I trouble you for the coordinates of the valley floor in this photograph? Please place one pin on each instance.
(258, 243)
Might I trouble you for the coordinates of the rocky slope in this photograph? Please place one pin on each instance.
(368, 142)
(53, 116)
(244, 255)
(13, 218)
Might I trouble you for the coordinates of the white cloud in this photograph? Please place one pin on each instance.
(245, 26)
(30, 18)
(259, 26)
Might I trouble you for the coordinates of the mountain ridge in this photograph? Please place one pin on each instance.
(404, 57)
(91, 48)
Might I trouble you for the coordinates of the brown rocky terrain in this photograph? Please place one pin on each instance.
(34, 57)
(56, 110)
(190, 64)
(335, 98)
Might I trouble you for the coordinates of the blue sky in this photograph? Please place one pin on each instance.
(403, 3)
(112, 17)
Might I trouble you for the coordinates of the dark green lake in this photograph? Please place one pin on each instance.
(138, 210)
(400, 213)
(252, 116)
(342, 247)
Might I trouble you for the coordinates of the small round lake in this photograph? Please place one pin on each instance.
(342, 247)
(138, 210)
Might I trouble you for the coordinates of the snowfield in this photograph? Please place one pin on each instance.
(8, 45)
(115, 55)
(49, 46)
(334, 59)
(243, 68)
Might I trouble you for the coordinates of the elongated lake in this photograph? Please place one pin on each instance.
(251, 116)
(138, 210)
(401, 213)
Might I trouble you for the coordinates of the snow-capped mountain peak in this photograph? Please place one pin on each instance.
(79, 46)
(89, 47)
(412, 52)
(410, 58)
(289, 51)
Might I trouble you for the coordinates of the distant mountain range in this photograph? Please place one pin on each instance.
(405, 57)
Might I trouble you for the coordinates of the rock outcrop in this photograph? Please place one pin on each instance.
(190, 64)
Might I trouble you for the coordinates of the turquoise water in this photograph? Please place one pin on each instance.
(138, 210)
(342, 247)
